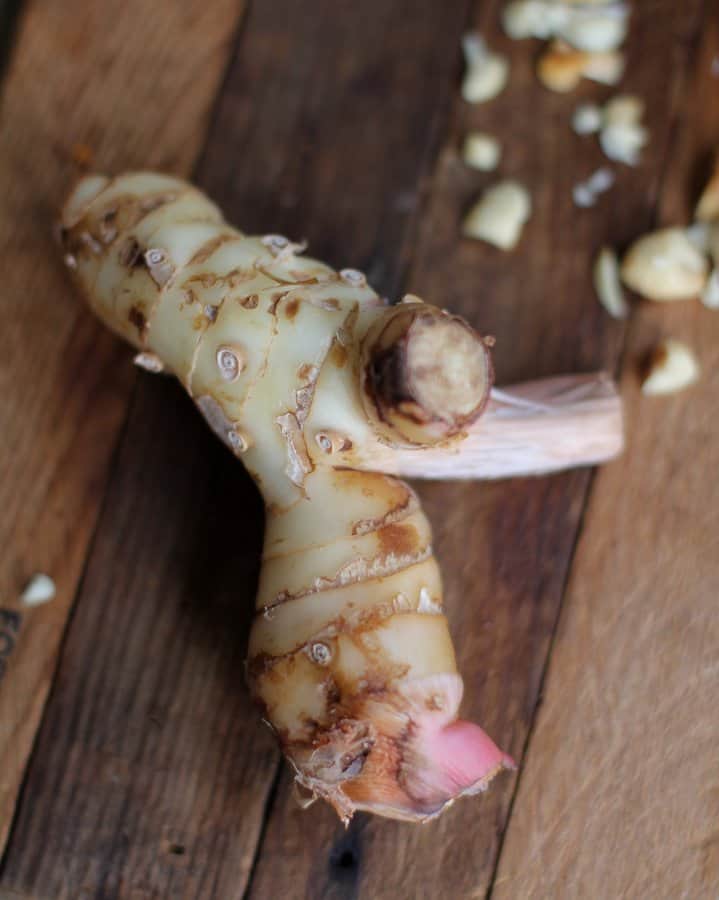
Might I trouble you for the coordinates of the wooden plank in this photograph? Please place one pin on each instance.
(504, 548)
(147, 780)
(85, 80)
(110, 790)
(620, 793)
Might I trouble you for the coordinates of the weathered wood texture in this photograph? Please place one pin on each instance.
(504, 548)
(111, 789)
(147, 779)
(151, 776)
(619, 796)
(86, 80)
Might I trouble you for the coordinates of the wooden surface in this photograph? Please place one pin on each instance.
(76, 92)
(150, 774)
(620, 788)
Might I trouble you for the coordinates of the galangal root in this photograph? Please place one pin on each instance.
(307, 376)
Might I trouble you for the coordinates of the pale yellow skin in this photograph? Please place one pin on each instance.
(350, 636)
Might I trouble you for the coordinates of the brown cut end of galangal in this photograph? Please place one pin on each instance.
(428, 374)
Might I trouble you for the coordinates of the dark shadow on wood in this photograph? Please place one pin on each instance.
(9, 16)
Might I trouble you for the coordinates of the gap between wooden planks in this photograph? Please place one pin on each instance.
(118, 85)
(619, 796)
(504, 548)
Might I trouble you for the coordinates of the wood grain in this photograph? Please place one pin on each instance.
(110, 790)
(619, 796)
(504, 548)
(147, 779)
(87, 82)
(151, 774)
